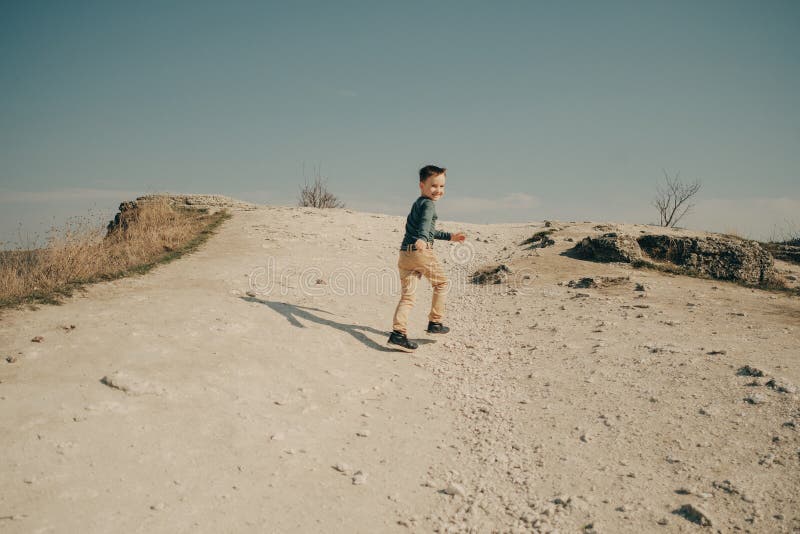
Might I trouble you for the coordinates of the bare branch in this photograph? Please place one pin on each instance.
(316, 195)
(672, 199)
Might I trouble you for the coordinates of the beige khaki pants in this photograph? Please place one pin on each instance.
(413, 265)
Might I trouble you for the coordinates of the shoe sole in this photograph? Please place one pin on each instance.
(400, 348)
(432, 332)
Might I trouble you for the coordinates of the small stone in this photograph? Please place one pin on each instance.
(562, 500)
(157, 507)
(11, 359)
(37, 339)
(455, 488)
(726, 486)
(359, 477)
(749, 371)
(131, 385)
(781, 386)
(767, 460)
(756, 398)
(342, 467)
(694, 514)
(250, 293)
(363, 433)
(663, 521)
(278, 436)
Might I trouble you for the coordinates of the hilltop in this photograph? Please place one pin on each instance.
(246, 387)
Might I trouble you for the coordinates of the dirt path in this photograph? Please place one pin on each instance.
(547, 407)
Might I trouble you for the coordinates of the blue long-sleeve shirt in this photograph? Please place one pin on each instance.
(421, 223)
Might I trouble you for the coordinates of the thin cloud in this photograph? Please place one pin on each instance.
(512, 201)
(65, 195)
(757, 217)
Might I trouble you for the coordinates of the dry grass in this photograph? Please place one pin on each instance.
(83, 253)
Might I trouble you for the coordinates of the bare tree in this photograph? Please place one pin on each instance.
(672, 199)
(316, 195)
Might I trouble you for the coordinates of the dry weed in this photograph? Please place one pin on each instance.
(81, 252)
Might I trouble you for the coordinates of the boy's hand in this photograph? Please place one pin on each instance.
(421, 244)
(459, 237)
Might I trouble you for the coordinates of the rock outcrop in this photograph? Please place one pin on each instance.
(720, 257)
(129, 210)
(212, 203)
(128, 213)
(609, 247)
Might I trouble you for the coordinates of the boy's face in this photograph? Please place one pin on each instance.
(433, 187)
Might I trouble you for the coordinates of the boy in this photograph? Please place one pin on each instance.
(417, 259)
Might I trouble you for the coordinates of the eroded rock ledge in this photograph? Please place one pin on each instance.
(212, 203)
(720, 257)
(128, 210)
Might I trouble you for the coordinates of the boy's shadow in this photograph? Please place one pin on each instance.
(292, 312)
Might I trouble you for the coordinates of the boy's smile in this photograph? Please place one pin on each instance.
(433, 187)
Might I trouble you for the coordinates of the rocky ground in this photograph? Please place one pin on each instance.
(247, 388)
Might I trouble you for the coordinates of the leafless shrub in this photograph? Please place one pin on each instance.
(788, 234)
(316, 195)
(673, 199)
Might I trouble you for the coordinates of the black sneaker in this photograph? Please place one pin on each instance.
(399, 341)
(437, 328)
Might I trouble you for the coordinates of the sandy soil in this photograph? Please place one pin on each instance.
(175, 402)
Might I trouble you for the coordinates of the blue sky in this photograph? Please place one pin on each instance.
(562, 110)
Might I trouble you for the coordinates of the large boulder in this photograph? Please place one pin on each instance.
(609, 247)
(724, 258)
(721, 257)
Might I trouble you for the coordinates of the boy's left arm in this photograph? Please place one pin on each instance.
(458, 236)
(438, 234)
(447, 236)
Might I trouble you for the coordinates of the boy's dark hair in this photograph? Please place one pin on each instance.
(430, 170)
